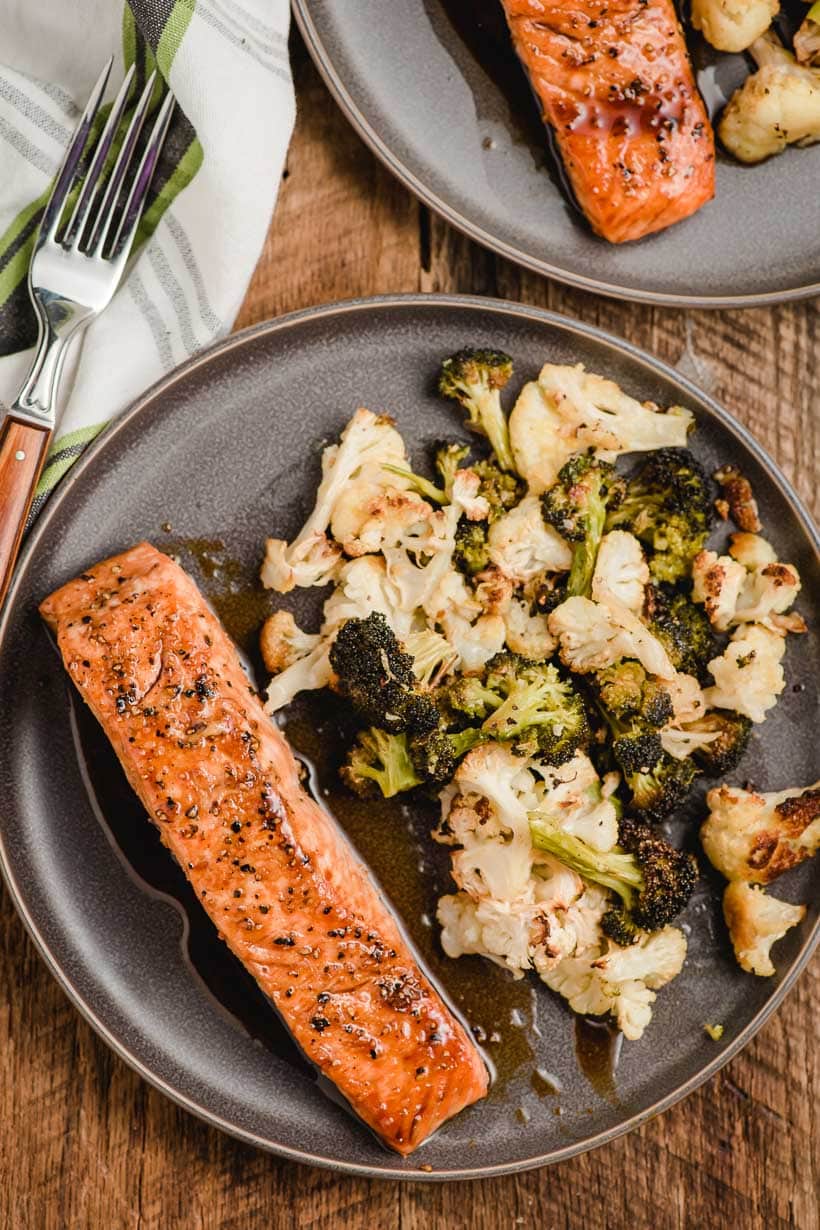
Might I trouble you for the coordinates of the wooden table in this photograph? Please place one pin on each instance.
(85, 1143)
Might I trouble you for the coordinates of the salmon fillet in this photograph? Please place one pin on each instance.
(283, 886)
(613, 80)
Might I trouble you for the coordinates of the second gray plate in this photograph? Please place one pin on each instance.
(435, 88)
(220, 454)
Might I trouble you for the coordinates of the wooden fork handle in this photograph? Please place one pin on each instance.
(23, 449)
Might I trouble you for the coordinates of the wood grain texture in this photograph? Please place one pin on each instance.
(85, 1143)
(22, 453)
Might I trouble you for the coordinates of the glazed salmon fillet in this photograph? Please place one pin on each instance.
(614, 82)
(279, 880)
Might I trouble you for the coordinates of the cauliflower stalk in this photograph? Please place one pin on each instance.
(522, 546)
(568, 410)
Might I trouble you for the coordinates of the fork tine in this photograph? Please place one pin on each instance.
(105, 216)
(142, 180)
(68, 167)
(93, 178)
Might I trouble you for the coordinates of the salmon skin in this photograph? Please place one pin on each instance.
(283, 886)
(614, 82)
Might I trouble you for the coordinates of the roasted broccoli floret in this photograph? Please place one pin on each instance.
(471, 554)
(652, 878)
(376, 675)
(577, 507)
(379, 762)
(719, 757)
(528, 704)
(683, 629)
(449, 459)
(656, 793)
(668, 506)
(436, 755)
(540, 712)
(469, 696)
(634, 707)
(501, 489)
(626, 691)
(475, 378)
(669, 878)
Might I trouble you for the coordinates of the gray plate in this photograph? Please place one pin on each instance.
(227, 448)
(435, 89)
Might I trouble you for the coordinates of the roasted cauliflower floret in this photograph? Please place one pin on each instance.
(751, 550)
(748, 674)
(620, 981)
(733, 25)
(311, 558)
(523, 546)
(621, 570)
(755, 837)
(756, 921)
(526, 633)
(282, 642)
(593, 635)
(734, 593)
(779, 105)
(716, 582)
(374, 510)
(568, 410)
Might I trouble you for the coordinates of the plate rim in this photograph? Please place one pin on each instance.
(356, 118)
(236, 341)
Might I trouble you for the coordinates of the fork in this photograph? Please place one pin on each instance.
(72, 278)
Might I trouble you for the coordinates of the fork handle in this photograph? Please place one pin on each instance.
(23, 448)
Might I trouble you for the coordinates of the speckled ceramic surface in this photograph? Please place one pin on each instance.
(223, 452)
(436, 89)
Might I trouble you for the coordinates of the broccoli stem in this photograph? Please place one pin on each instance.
(422, 485)
(614, 870)
(585, 553)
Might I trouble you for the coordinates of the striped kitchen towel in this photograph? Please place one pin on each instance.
(210, 203)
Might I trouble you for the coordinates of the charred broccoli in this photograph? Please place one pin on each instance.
(376, 675)
(435, 756)
(721, 755)
(577, 507)
(379, 762)
(500, 489)
(668, 506)
(471, 554)
(634, 707)
(626, 691)
(658, 792)
(475, 378)
(683, 629)
(669, 878)
(469, 696)
(652, 878)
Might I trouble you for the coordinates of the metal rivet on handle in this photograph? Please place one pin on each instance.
(19, 455)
